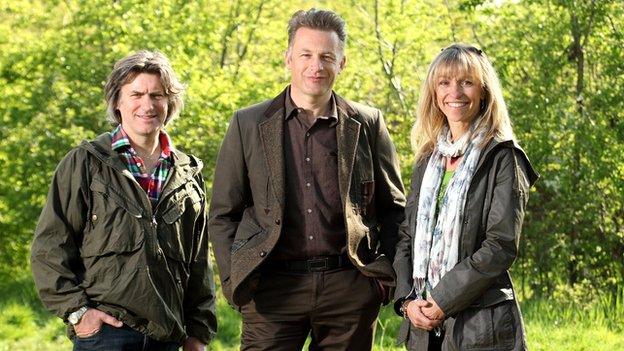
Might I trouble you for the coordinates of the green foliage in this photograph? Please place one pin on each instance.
(561, 63)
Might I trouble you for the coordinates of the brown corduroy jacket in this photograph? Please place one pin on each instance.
(247, 206)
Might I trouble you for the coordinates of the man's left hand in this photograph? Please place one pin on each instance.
(432, 311)
(193, 344)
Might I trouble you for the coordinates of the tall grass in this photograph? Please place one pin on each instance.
(550, 324)
(607, 311)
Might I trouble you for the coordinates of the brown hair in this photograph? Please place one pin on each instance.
(126, 70)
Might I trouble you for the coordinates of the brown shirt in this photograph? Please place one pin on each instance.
(313, 218)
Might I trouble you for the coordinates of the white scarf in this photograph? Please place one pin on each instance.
(436, 240)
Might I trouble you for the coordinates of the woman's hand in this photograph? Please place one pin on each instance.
(432, 310)
(418, 318)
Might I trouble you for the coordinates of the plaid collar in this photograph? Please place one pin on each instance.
(120, 142)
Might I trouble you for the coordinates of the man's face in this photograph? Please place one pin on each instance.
(143, 106)
(314, 59)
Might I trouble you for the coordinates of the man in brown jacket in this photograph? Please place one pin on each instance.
(307, 199)
(121, 250)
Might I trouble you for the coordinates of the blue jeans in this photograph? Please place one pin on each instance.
(110, 338)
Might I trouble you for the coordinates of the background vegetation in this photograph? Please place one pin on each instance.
(561, 63)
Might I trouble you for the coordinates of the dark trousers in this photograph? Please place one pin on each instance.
(435, 342)
(121, 339)
(338, 308)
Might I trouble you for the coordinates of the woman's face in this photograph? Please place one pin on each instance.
(459, 98)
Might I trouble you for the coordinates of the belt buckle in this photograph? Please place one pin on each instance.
(318, 265)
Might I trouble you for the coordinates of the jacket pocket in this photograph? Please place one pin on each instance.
(248, 234)
(115, 219)
(489, 328)
(493, 296)
(367, 189)
(177, 232)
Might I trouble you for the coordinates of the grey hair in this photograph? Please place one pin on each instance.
(144, 61)
(317, 19)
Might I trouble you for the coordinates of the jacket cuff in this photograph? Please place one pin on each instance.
(202, 333)
(70, 307)
(443, 303)
(397, 305)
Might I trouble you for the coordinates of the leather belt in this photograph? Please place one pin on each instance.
(316, 264)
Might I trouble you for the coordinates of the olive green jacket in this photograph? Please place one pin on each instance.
(477, 294)
(248, 195)
(99, 243)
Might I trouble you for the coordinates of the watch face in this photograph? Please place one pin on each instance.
(73, 319)
(75, 316)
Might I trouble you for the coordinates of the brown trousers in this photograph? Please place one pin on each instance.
(338, 308)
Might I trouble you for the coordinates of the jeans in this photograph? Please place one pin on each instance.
(110, 338)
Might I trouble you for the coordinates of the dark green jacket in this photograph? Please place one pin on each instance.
(247, 206)
(477, 294)
(99, 243)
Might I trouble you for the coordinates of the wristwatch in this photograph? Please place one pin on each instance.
(403, 308)
(75, 317)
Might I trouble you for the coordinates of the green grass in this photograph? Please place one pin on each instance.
(26, 325)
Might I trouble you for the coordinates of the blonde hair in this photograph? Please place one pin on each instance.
(460, 60)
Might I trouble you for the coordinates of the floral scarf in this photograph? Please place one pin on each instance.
(436, 240)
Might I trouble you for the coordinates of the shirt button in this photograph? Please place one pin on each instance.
(309, 210)
(262, 253)
(307, 134)
(94, 218)
(277, 221)
(308, 185)
(307, 159)
(311, 237)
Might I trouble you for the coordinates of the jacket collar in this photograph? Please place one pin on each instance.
(183, 165)
(279, 102)
(488, 152)
(495, 144)
(290, 107)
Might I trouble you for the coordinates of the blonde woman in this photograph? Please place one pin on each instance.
(464, 212)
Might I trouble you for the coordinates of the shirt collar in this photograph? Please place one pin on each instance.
(290, 107)
(121, 142)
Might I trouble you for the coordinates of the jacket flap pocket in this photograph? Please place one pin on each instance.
(176, 235)
(111, 194)
(115, 223)
(195, 196)
(173, 213)
(493, 296)
(115, 241)
(247, 229)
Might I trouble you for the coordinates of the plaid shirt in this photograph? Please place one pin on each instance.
(151, 183)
